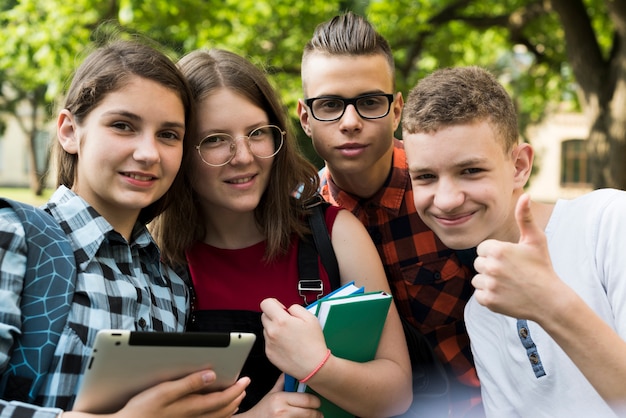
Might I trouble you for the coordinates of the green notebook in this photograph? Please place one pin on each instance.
(352, 327)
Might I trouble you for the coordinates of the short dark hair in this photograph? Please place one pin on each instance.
(348, 34)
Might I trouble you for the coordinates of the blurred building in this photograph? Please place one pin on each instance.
(560, 169)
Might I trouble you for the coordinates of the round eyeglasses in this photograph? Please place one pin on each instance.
(219, 149)
(368, 106)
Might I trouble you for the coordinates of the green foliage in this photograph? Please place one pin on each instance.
(440, 33)
(43, 41)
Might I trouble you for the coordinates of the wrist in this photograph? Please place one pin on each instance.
(317, 368)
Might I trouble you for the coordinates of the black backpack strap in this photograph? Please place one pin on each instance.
(318, 243)
(45, 302)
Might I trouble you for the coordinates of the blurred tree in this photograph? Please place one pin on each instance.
(39, 41)
(547, 52)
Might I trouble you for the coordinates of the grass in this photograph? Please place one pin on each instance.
(25, 195)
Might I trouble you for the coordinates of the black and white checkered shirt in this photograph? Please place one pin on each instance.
(119, 286)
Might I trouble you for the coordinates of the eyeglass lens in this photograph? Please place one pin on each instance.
(263, 142)
(368, 107)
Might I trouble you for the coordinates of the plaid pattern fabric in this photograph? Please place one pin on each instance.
(119, 285)
(429, 283)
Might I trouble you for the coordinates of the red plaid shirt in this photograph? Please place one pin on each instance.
(429, 283)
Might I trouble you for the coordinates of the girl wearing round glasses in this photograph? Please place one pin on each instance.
(237, 227)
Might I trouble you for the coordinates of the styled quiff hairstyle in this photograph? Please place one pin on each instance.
(461, 95)
(108, 69)
(348, 34)
(279, 213)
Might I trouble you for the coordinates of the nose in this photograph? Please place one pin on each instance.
(243, 155)
(351, 120)
(147, 150)
(448, 195)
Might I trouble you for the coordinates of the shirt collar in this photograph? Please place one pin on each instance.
(88, 230)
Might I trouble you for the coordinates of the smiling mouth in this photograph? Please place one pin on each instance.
(139, 177)
(240, 181)
(453, 220)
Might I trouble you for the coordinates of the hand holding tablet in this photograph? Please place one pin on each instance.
(124, 363)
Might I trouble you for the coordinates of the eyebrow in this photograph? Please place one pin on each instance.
(249, 128)
(338, 96)
(471, 162)
(135, 117)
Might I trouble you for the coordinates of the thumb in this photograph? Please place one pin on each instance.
(529, 231)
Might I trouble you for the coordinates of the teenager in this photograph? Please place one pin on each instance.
(120, 137)
(547, 321)
(240, 227)
(350, 111)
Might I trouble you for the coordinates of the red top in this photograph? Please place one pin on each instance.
(240, 279)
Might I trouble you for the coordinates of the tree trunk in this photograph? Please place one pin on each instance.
(603, 84)
(37, 174)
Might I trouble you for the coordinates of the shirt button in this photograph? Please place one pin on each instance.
(437, 275)
(142, 323)
(523, 332)
(534, 358)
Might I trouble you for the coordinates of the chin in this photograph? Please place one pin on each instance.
(455, 243)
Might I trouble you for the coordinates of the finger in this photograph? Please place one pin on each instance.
(219, 403)
(192, 383)
(170, 391)
(529, 231)
(280, 383)
(300, 312)
(304, 400)
(485, 248)
(272, 307)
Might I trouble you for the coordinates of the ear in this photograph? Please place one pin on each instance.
(303, 115)
(67, 131)
(523, 156)
(396, 108)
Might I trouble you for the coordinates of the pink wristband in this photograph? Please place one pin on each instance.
(317, 369)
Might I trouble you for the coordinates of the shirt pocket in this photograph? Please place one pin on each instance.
(437, 292)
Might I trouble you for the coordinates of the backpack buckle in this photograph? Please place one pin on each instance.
(313, 285)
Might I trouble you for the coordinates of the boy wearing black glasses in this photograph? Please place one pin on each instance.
(350, 111)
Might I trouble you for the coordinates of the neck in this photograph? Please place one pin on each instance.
(232, 230)
(364, 184)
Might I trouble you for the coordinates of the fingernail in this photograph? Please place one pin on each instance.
(208, 377)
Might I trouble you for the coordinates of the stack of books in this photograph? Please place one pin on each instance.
(352, 321)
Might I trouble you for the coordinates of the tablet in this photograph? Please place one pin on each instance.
(124, 363)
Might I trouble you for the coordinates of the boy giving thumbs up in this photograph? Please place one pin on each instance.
(547, 321)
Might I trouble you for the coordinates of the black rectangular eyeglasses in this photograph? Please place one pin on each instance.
(368, 106)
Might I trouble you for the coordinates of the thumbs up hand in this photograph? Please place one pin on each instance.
(517, 279)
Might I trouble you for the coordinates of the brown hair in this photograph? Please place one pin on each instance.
(279, 213)
(108, 69)
(348, 34)
(460, 95)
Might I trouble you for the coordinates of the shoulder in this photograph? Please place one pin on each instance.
(598, 203)
(13, 246)
(10, 225)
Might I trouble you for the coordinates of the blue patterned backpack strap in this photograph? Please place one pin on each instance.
(45, 303)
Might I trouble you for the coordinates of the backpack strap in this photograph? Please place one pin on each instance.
(45, 302)
(312, 245)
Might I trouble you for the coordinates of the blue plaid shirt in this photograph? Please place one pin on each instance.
(120, 285)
